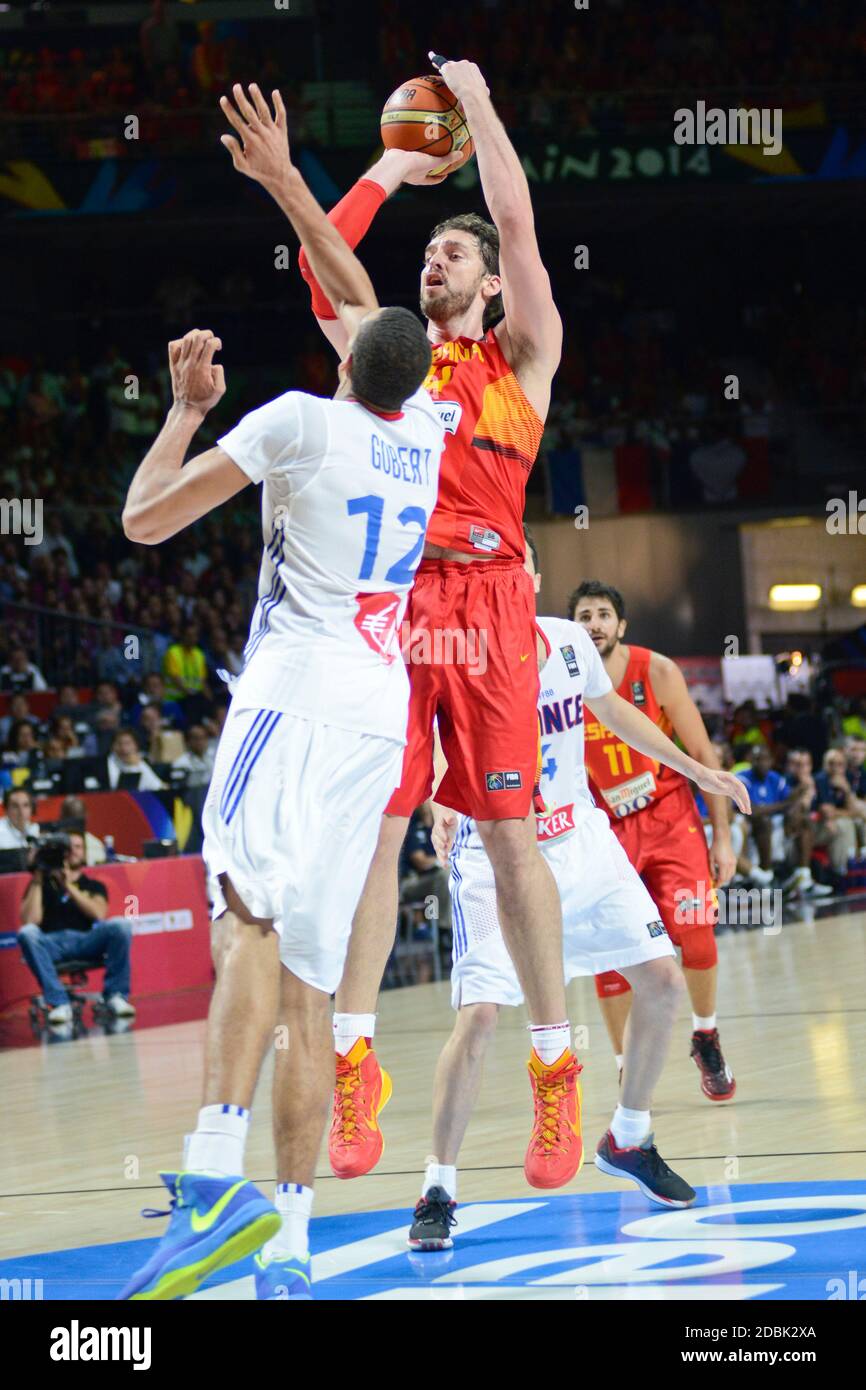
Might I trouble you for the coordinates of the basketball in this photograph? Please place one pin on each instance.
(424, 114)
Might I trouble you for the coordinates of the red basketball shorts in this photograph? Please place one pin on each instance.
(666, 844)
(473, 665)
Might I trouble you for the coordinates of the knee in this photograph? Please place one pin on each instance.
(666, 985)
(117, 929)
(511, 848)
(477, 1027)
(29, 934)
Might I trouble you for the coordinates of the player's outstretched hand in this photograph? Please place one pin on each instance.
(443, 832)
(196, 380)
(465, 79)
(724, 784)
(262, 153)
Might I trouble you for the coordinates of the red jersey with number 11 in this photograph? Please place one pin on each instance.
(492, 435)
(622, 780)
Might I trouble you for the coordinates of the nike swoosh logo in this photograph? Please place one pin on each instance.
(204, 1223)
(525, 658)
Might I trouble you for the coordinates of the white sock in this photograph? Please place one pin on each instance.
(629, 1127)
(804, 875)
(550, 1040)
(441, 1175)
(294, 1203)
(703, 1025)
(348, 1028)
(618, 1059)
(217, 1146)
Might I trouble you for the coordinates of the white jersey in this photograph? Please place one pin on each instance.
(572, 673)
(346, 500)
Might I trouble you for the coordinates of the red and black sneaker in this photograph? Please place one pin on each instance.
(717, 1079)
(643, 1164)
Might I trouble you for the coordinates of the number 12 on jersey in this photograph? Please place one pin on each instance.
(372, 506)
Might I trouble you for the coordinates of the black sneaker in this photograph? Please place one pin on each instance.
(434, 1216)
(644, 1165)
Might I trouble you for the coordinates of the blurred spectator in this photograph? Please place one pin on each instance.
(209, 61)
(854, 723)
(185, 670)
(153, 693)
(19, 711)
(841, 814)
(126, 768)
(198, 759)
(54, 540)
(855, 764)
(160, 41)
(20, 674)
(22, 748)
(18, 828)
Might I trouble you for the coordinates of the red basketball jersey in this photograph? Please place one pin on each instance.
(491, 442)
(622, 780)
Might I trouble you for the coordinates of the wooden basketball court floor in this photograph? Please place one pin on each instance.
(88, 1125)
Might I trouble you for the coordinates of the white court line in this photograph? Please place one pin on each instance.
(343, 1259)
(635, 1293)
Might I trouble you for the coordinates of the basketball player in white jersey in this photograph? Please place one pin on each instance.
(608, 915)
(313, 743)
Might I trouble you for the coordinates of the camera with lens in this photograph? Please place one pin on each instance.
(51, 852)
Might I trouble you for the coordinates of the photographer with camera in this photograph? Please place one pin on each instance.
(63, 915)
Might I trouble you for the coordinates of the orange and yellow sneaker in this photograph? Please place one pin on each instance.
(555, 1153)
(363, 1089)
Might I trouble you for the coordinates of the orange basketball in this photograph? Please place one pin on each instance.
(424, 114)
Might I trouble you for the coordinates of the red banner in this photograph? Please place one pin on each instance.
(165, 901)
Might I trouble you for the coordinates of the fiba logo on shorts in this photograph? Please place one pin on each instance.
(503, 781)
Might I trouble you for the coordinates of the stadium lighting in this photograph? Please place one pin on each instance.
(858, 596)
(795, 597)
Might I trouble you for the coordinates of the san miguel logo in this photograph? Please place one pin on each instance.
(376, 620)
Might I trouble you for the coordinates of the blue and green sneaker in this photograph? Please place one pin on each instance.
(214, 1221)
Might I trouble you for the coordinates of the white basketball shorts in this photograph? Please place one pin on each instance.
(292, 816)
(609, 918)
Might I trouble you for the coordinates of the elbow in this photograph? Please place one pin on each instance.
(135, 528)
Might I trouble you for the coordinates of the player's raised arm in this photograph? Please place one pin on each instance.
(262, 153)
(635, 729)
(532, 326)
(164, 496)
(353, 215)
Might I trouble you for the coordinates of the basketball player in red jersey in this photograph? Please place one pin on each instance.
(654, 815)
(497, 340)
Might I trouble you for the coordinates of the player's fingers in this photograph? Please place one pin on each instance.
(245, 107)
(280, 109)
(234, 148)
(219, 378)
(232, 116)
(262, 108)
